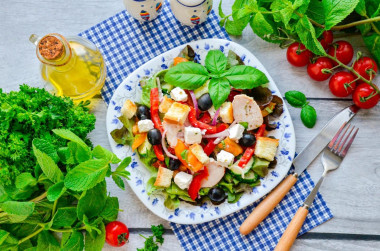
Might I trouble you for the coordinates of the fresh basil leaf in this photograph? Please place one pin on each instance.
(187, 75)
(48, 166)
(92, 201)
(306, 33)
(56, 191)
(101, 153)
(65, 217)
(95, 243)
(216, 61)
(245, 77)
(87, 174)
(25, 180)
(219, 89)
(111, 209)
(337, 10)
(373, 44)
(46, 147)
(360, 8)
(46, 241)
(295, 98)
(146, 86)
(74, 243)
(308, 116)
(118, 181)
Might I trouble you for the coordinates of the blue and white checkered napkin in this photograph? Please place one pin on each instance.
(126, 44)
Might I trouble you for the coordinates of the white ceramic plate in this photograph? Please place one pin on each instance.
(186, 213)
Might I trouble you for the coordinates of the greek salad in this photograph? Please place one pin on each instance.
(201, 130)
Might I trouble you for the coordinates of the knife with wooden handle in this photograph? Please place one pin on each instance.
(301, 162)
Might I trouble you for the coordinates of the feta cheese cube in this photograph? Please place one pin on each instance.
(236, 132)
(193, 135)
(183, 180)
(178, 94)
(145, 125)
(197, 150)
(225, 158)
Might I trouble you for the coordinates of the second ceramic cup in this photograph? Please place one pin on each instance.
(191, 12)
(144, 10)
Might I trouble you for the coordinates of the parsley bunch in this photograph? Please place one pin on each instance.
(33, 113)
(151, 242)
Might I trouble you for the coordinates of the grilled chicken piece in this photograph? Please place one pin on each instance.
(245, 109)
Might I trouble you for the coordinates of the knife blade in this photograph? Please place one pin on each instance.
(320, 141)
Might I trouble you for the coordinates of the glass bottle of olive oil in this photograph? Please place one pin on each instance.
(73, 65)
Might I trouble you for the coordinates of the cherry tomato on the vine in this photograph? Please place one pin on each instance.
(342, 84)
(326, 39)
(298, 55)
(117, 233)
(344, 51)
(364, 96)
(366, 67)
(315, 69)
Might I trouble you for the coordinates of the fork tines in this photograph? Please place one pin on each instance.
(336, 145)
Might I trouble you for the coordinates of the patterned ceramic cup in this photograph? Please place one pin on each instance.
(144, 10)
(191, 12)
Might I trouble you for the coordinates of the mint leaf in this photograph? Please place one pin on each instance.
(187, 75)
(219, 89)
(64, 217)
(360, 8)
(308, 116)
(235, 28)
(66, 156)
(295, 98)
(79, 152)
(3, 236)
(125, 163)
(337, 10)
(87, 174)
(56, 191)
(111, 209)
(74, 243)
(102, 153)
(46, 147)
(95, 243)
(25, 180)
(373, 44)
(48, 166)
(315, 12)
(283, 11)
(118, 181)
(92, 201)
(47, 242)
(67, 134)
(17, 211)
(262, 27)
(306, 33)
(245, 77)
(216, 61)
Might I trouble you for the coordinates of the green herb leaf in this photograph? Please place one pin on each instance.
(65, 217)
(46, 147)
(171, 203)
(111, 209)
(92, 201)
(95, 243)
(118, 181)
(187, 75)
(101, 153)
(306, 33)
(216, 61)
(245, 124)
(360, 8)
(46, 241)
(295, 98)
(74, 243)
(283, 11)
(245, 77)
(48, 166)
(25, 180)
(69, 135)
(17, 211)
(261, 27)
(56, 191)
(184, 155)
(3, 236)
(220, 10)
(235, 28)
(337, 10)
(373, 44)
(146, 86)
(87, 174)
(219, 89)
(308, 116)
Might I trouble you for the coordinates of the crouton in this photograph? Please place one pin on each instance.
(177, 113)
(129, 109)
(165, 104)
(266, 148)
(197, 150)
(226, 112)
(164, 177)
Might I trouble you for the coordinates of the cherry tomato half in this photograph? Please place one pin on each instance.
(344, 51)
(342, 84)
(315, 69)
(326, 39)
(117, 233)
(298, 55)
(364, 96)
(366, 67)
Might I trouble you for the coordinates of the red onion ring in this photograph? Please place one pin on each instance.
(216, 115)
(192, 94)
(165, 148)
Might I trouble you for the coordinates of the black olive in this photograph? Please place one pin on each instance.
(247, 140)
(216, 195)
(273, 163)
(143, 112)
(204, 102)
(154, 136)
(174, 164)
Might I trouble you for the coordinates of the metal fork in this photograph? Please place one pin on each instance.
(332, 157)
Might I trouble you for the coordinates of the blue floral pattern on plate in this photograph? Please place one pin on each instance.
(186, 213)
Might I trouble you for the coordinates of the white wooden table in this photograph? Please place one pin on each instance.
(352, 192)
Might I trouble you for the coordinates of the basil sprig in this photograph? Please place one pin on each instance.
(190, 76)
(308, 113)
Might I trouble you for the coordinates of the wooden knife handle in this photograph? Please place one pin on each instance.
(291, 232)
(267, 205)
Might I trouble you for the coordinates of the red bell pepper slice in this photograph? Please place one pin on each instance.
(209, 148)
(221, 127)
(154, 103)
(203, 126)
(195, 185)
(159, 152)
(251, 150)
(206, 118)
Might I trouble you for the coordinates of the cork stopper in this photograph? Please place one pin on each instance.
(50, 48)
